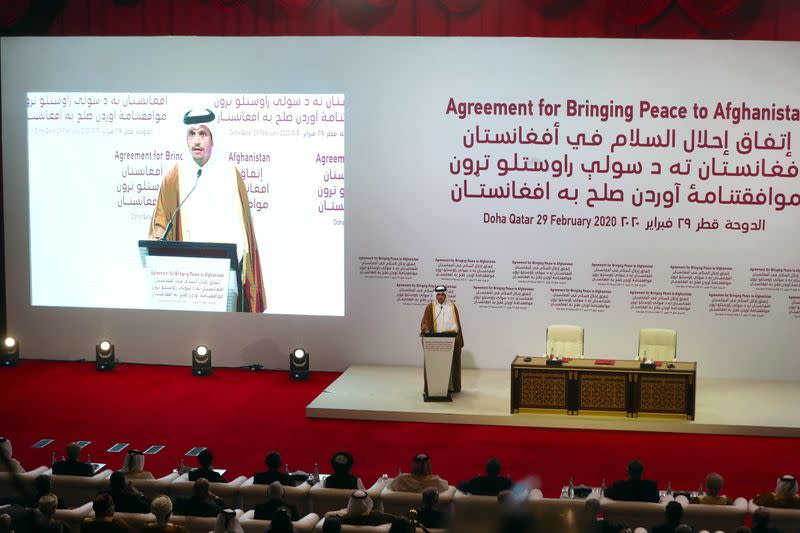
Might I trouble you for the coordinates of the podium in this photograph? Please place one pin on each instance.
(438, 350)
(192, 276)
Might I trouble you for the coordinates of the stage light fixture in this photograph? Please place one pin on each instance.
(10, 353)
(201, 361)
(104, 356)
(299, 367)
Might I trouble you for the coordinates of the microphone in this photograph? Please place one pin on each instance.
(172, 219)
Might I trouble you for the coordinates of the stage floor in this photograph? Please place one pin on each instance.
(723, 406)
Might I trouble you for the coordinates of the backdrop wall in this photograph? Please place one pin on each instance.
(545, 181)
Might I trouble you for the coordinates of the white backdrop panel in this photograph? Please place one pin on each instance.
(684, 223)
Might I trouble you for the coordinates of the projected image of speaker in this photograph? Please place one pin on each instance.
(104, 357)
(201, 361)
(299, 367)
(9, 356)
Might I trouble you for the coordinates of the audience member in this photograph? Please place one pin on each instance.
(342, 463)
(489, 485)
(684, 528)
(332, 524)
(103, 520)
(401, 525)
(505, 497)
(673, 513)
(126, 498)
(23, 519)
(41, 486)
(428, 515)
(281, 522)
(420, 477)
(202, 502)
(713, 487)
(205, 469)
(761, 522)
(7, 461)
(785, 495)
(265, 511)
(227, 522)
(273, 472)
(5, 524)
(133, 466)
(48, 504)
(742, 529)
(359, 512)
(634, 489)
(162, 510)
(516, 519)
(72, 466)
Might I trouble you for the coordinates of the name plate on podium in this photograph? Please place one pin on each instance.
(438, 350)
(191, 276)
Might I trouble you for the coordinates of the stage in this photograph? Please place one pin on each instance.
(394, 393)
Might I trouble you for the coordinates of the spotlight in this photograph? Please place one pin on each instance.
(9, 356)
(298, 364)
(104, 356)
(201, 361)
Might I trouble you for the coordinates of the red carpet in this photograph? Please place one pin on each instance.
(241, 415)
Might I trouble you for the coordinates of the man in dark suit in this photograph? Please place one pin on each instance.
(273, 472)
(202, 502)
(72, 466)
(126, 498)
(205, 471)
(428, 515)
(673, 513)
(103, 520)
(634, 489)
(342, 477)
(489, 485)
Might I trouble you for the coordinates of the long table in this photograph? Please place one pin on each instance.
(603, 386)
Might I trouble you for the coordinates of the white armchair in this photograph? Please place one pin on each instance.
(199, 524)
(77, 490)
(787, 520)
(564, 340)
(475, 514)
(154, 487)
(253, 494)
(7, 486)
(251, 525)
(74, 517)
(398, 503)
(658, 344)
(229, 492)
(324, 500)
(716, 517)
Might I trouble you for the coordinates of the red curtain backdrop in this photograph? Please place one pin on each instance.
(674, 19)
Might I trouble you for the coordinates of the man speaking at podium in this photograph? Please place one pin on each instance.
(205, 200)
(441, 316)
